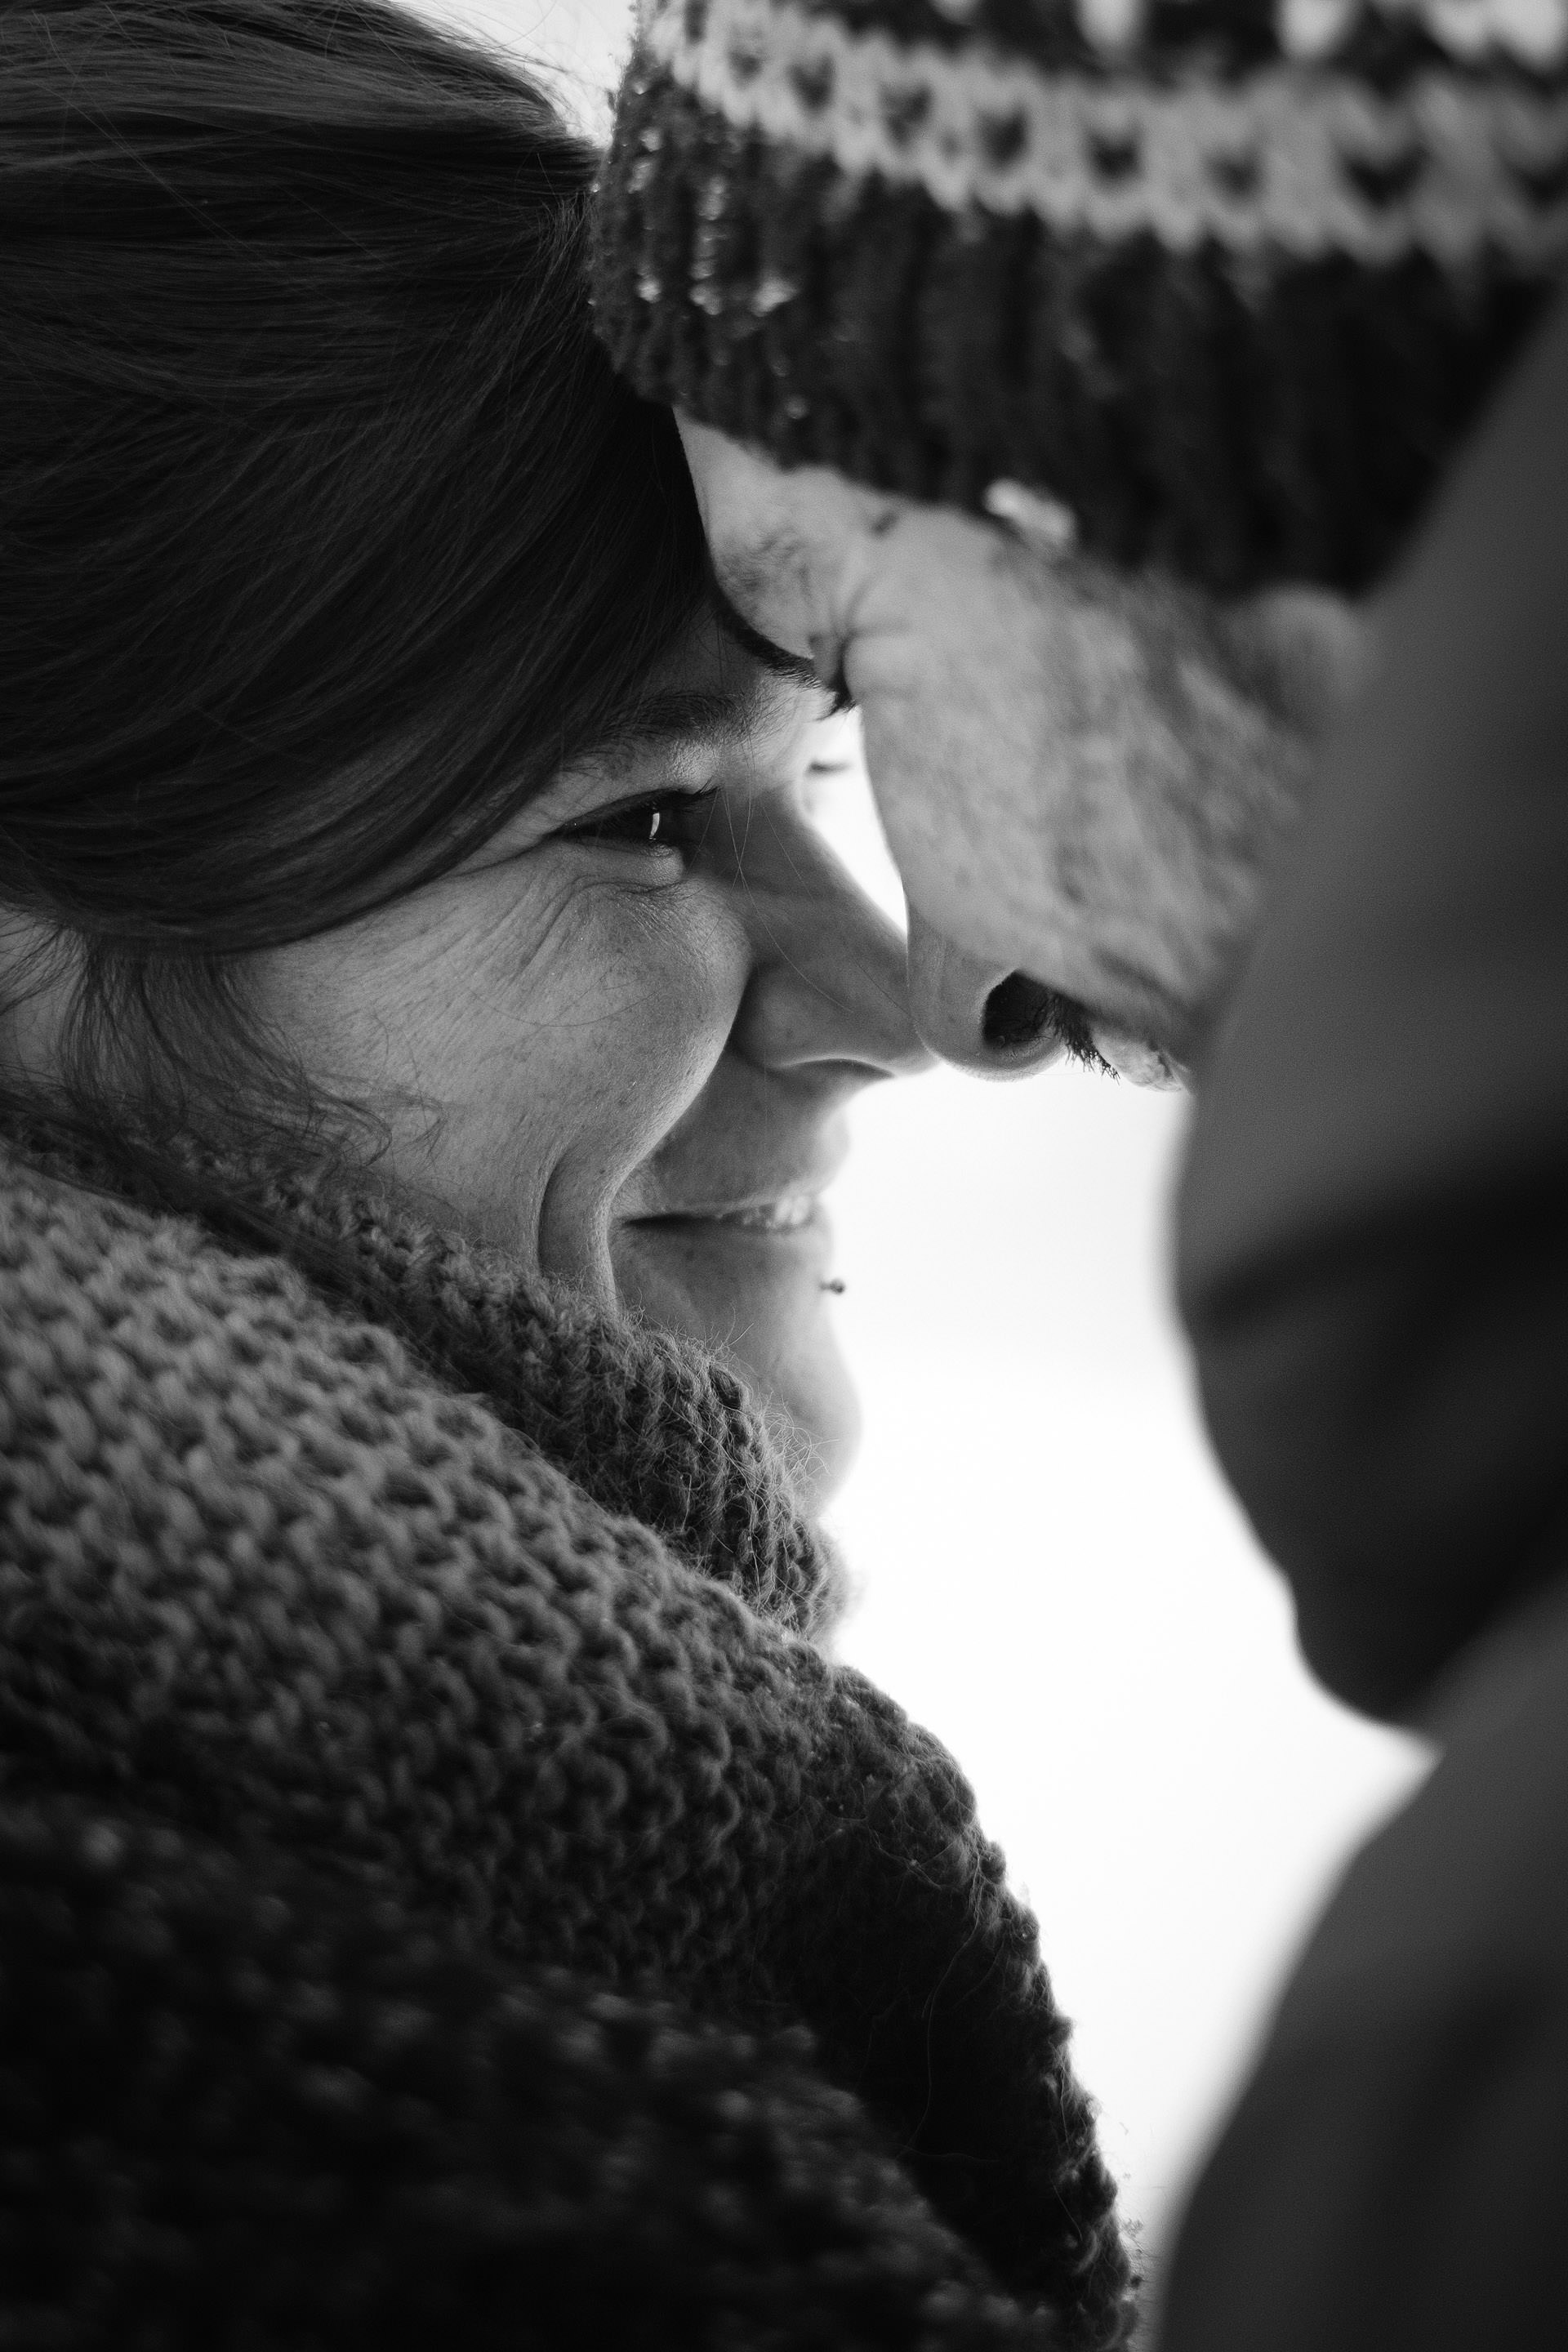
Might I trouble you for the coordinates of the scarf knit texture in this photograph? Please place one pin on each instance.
(1218, 284)
(449, 1894)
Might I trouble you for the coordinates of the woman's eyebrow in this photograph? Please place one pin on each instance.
(772, 657)
(704, 714)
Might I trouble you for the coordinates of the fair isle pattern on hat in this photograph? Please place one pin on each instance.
(1227, 280)
(1321, 166)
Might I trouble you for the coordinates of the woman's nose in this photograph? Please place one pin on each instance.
(980, 1015)
(830, 982)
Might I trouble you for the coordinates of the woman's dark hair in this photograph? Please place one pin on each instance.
(326, 532)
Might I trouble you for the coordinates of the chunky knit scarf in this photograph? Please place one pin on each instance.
(447, 1894)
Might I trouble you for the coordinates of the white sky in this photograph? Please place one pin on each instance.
(1055, 1579)
(1053, 1576)
(583, 42)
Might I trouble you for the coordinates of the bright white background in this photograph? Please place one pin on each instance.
(1054, 1578)
(1052, 1575)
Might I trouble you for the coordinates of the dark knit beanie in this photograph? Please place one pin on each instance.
(1227, 278)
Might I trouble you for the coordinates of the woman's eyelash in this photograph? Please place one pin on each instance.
(671, 820)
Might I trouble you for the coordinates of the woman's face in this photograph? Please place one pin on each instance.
(617, 1043)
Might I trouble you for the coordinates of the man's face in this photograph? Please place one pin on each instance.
(1083, 773)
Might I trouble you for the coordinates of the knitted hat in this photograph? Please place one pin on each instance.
(1225, 277)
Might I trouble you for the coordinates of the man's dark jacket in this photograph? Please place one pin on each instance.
(1374, 1267)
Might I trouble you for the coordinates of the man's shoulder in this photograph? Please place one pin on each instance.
(1395, 2167)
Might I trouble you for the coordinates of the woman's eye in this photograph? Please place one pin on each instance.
(665, 821)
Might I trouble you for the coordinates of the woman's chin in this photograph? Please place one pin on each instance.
(756, 1297)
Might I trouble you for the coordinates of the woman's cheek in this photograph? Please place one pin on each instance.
(643, 1008)
(675, 966)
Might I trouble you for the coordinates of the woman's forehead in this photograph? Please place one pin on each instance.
(711, 694)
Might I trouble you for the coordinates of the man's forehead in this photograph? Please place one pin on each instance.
(763, 546)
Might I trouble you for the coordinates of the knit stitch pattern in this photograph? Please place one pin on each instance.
(1226, 281)
(332, 1694)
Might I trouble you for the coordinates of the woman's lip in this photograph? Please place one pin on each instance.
(813, 1162)
(723, 1249)
(739, 1204)
(775, 1214)
(745, 1251)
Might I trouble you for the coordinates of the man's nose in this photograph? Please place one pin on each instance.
(982, 1016)
(830, 982)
